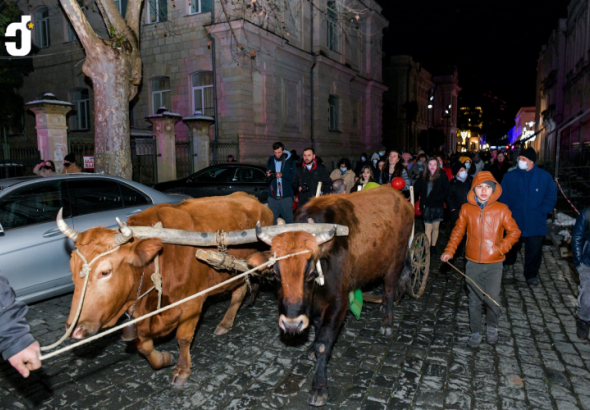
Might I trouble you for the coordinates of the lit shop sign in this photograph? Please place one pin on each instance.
(25, 26)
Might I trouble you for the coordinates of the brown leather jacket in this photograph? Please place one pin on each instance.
(485, 226)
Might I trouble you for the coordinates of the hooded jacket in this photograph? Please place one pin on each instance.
(485, 225)
(530, 195)
(348, 177)
(14, 331)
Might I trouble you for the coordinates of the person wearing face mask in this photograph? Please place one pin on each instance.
(418, 168)
(468, 164)
(361, 163)
(344, 171)
(70, 166)
(45, 169)
(531, 194)
(478, 163)
(374, 160)
(460, 187)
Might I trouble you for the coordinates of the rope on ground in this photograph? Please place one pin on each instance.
(485, 294)
(173, 305)
(566, 198)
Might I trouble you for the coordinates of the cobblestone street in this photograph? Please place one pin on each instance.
(539, 363)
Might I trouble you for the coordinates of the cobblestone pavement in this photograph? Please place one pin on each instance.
(539, 363)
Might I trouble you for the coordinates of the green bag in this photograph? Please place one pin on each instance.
(356, 302)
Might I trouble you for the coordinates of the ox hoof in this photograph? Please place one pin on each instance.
(220, 330)
(178, 381)
(318, 397)
(311, 355)
(386, 331)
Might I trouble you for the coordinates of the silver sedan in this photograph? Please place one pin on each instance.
(34, 255)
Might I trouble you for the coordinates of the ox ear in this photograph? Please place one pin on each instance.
(258, 258)
(144, 252)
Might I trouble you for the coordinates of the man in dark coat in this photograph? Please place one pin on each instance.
(16, 342)
(531, 194)
(280, 170)
(361, 163)
(307, 177)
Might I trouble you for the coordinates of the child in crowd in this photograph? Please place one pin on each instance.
(485, 221)
(581, 254)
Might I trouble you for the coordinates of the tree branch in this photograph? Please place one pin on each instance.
(133, 16)
(85, 32)
(112, 17)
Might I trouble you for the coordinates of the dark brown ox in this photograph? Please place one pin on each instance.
(380, 223)
(114, 278)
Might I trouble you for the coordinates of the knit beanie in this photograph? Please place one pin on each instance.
(70, 158)
(456, 167)
(529, 153)
(490, 183)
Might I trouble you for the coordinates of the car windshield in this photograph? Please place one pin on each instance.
(215, 175)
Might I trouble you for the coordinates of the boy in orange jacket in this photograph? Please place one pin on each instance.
(485, 221)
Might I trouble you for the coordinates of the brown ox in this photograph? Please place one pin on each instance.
(380, 224)
(114, 278)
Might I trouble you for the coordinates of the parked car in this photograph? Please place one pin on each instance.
(34, 254)
(221, 179)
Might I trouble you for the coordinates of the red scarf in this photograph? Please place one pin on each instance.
(314, 166)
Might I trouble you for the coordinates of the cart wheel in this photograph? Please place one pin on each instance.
(420, 257)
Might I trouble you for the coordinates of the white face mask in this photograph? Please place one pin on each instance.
(522, 164)
(462, 175)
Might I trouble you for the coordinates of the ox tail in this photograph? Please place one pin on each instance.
(403, 285)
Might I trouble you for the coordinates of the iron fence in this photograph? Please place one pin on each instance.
(18, 158)
(184, 158)
(222, 149)
(143, 160)
(81, 147)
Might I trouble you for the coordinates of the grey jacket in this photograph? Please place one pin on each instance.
(15, 334)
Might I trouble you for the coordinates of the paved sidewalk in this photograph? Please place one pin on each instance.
(538, 363)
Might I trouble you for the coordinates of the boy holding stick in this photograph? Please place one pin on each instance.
(485, 221)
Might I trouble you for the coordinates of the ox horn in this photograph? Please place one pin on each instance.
(325, 237)
(64, 228)
(125, 235)
(264, 237)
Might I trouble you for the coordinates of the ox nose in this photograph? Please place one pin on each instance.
(295, 325)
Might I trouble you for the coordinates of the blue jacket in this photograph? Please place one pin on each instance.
(288, 170)
(530, 195)
(14, 330)
(580, 250)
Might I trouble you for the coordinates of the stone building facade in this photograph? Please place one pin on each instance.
(563, 94)
(416, 101)
(306, 75)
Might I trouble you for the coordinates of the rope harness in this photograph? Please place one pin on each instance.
(271, 261)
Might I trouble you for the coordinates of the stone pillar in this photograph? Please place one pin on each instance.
(166, 143)
(52, 130)
(199, 131)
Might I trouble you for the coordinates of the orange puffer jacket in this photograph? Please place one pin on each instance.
(485, 227)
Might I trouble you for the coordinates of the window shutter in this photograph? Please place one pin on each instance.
(205, 6)
(163, 10)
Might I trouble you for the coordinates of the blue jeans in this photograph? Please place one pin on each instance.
(584, 295)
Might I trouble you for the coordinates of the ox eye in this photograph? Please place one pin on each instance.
(105, 274)
(312, 276)
(276, 272)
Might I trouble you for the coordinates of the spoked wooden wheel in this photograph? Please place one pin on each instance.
(420, 257)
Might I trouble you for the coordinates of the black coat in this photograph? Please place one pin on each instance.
(499, 169)
(458, 195)
(14, 330)
(311, 178)
(440, 192)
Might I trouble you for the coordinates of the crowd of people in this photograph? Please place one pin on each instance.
(496, 202)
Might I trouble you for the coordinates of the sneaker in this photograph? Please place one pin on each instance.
(533, 281)
(492, 336)
(582, 328)
(474, 340)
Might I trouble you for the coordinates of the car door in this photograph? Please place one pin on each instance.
(97, 202)
(212, 181)
(251, 180)
(34, 254)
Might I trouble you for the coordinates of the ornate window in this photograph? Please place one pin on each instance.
(199, 6)
(202, 93)
(122, 6)
(41, 26)
(160, 93)
(81, 117)
(157, 11)
(332, 20)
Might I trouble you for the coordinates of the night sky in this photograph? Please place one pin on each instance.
(494, 44)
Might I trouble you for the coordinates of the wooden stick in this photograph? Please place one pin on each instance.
(485, 294)
(319, 190)
(412, 201)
